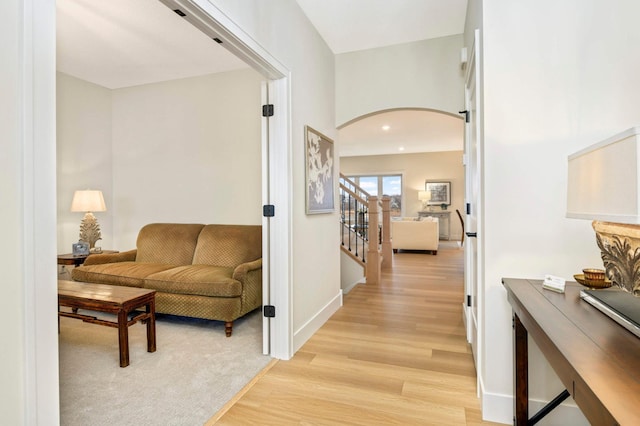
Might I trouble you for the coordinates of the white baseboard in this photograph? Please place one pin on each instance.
(350, 287)
(499, 409)
(307, 330)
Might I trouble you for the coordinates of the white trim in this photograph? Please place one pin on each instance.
(281, 192)
(498, 408)
(350, 287)
(266, 232)
(38, 88)
(213, 22)
(307, 330)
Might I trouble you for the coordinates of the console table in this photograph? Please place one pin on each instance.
(597, 360)
(444, 220)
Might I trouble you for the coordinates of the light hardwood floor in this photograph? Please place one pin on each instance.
(395, 353)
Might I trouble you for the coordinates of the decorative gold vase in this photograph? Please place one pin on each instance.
(620, 250)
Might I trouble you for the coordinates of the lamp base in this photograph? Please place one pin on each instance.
(90, 230)
(620, 251)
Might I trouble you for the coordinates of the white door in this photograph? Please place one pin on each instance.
(266, 288)
(473, 201)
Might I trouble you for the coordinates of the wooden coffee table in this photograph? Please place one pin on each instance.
(117, 300)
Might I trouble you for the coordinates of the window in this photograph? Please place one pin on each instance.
(391, 185)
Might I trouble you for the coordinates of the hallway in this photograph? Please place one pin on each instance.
(395, 353)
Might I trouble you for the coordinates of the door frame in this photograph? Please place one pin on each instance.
(474, 249)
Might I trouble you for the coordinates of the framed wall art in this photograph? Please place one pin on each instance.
(440, 192)
(319, 154)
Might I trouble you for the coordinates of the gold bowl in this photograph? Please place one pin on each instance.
(594, 284)
(593, 274)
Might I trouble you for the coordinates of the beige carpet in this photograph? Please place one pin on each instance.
(193, 373)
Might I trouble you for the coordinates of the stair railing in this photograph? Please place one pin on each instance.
(365, 228)
(354, 216)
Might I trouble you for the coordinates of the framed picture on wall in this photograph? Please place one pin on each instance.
(440, 192)
(319, 172)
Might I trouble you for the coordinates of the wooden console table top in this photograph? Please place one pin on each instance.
(597, 360)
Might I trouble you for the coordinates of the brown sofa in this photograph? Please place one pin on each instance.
(202, 271)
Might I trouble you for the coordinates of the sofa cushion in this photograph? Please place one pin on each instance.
(167, 243)
(228, 245)
(129, 274)
(202, 280)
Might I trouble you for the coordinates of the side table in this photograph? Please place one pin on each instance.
(69, 259)
(77, 260)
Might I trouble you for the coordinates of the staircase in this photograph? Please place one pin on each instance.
(365, 228)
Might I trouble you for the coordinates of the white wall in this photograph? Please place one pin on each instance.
(351, 273)
(285, 32)
(28, 358)
(12, 304)
(558, 76)
(424, 74)
(188, 151)
(83, 155)
(415, 170)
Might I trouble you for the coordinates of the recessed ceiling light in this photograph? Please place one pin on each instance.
(401, 148)
(386, 127)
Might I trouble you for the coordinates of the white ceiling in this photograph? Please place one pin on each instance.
(409, 131)
(350, 25)
(122, 43)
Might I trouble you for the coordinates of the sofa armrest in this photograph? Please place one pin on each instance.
(97, 259)
(241, 271)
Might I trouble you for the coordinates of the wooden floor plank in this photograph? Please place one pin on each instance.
(394, 354)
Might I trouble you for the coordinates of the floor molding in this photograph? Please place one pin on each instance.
(213, 420)
(307, 330)
(498, 408)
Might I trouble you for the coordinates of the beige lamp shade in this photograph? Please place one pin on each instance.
(424, 195)
(603, 180)
(603, 185)
(88, 201)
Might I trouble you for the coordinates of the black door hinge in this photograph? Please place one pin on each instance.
(268, 210)
(468, 300)
(468, 208)
(466, 115)
(269, 311)
(267, 110)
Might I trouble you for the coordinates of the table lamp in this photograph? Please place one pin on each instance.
(604, 186)
(89, 201)
(425, 197)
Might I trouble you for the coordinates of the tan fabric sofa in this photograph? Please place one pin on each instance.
(415, 234)
(202, 271)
